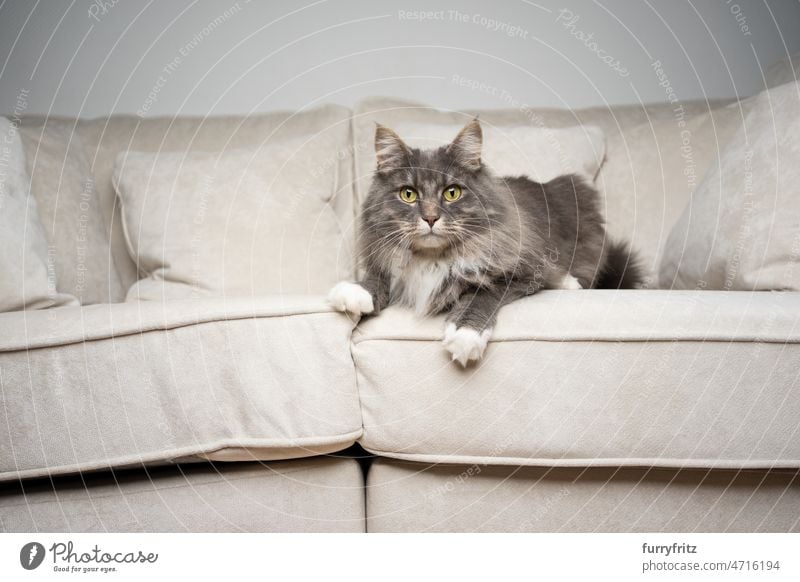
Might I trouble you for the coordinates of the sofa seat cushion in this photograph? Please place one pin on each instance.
(304, 495)
(412, 497)
(592, 378)
(114, 385)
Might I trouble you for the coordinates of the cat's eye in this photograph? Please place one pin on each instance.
(452, 193)
(408, 195)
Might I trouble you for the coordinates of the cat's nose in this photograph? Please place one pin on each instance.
(431, 220)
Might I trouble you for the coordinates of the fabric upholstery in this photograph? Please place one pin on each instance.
(309, 495)
(741, 230)
(653, 410)
(114, 385)
(652, 169)
(414, 497)
(542, 153)
(592, 378)
(64, 187)
(244, 222)
(28, 279)
(106, 137)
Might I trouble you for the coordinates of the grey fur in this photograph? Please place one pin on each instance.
(505, 238)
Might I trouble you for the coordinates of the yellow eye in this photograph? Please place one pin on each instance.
(408, 195)
(452, 193)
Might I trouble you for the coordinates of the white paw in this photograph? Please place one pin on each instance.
(350, 297)
(465, 344)
(569, 282)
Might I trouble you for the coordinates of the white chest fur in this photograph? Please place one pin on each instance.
(430, 285)
(418, 281)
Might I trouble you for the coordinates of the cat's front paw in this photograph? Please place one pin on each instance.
(465, 344)
(569, 282)
(351, 297)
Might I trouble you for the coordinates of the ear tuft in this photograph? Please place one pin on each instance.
(390, 150)
(466, 147)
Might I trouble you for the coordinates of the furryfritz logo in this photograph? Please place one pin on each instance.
(31, 555)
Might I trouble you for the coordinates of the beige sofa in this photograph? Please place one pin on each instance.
(592, 410)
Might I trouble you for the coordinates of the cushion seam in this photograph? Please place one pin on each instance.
(132, 332)
(179, 453)
(596, 339)
(673, 463)
(261, 473)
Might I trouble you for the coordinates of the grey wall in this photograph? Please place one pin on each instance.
(90, 58)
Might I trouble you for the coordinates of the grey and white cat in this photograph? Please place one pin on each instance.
(439, 232)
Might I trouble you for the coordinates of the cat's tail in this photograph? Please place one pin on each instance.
(622, 268)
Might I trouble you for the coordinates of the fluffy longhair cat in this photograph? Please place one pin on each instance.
(439, 232)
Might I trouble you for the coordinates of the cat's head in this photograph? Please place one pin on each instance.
(430, 201)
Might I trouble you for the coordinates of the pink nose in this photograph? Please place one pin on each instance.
(430, 219)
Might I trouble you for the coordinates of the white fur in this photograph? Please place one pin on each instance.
(421, 279)
(465, 344)
(351, 297)
(466, 268)
(569, 282)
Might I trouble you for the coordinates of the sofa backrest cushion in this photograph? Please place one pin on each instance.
(28, 280)
(105, 138)
(245, 222)
(652, 169)
(786, 70)
(541, 153)
(741, 230)
(74, 223)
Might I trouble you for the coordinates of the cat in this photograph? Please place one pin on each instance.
(439, 232)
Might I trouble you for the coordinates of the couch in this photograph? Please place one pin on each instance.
(630, 410)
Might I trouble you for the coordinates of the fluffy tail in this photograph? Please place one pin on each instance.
(622, 269)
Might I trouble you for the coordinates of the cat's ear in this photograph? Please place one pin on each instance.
(466, 147)
(390, 150)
